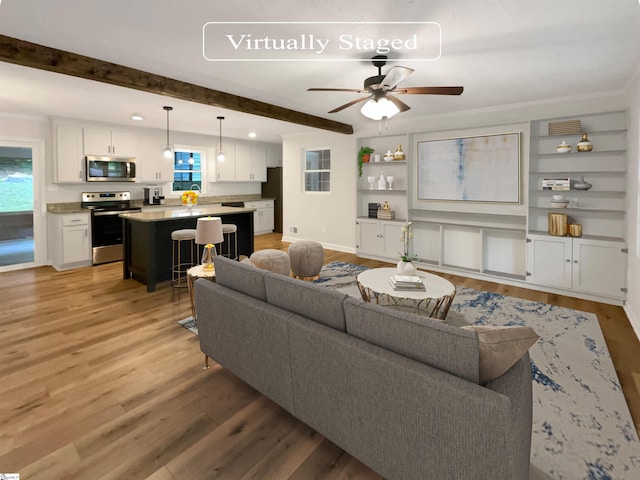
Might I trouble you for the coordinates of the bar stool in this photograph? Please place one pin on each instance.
(229, 231)
(178, 266)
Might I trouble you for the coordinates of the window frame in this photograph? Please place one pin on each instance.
(319, 170)
(203, 162)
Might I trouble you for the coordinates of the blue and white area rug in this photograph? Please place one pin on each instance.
(582, 428)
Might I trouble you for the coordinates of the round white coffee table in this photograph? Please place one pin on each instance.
(434, 301)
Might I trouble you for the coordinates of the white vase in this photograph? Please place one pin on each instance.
(406, 268)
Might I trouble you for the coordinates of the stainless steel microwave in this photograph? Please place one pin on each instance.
(110, 169)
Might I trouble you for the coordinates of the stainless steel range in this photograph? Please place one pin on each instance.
(106, 225)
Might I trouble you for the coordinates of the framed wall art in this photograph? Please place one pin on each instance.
(471, 169)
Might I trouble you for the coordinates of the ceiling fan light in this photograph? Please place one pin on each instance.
(387, 107)
(379, 109)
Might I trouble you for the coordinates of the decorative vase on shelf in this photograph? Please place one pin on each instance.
(388, 156)
(584, 145)
(399, 155)
(564, 147)
(582, 184)
(406, 268)
(382, 182)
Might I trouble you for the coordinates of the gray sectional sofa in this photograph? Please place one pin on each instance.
(399, 392)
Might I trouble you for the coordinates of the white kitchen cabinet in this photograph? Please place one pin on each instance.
(584, 265)
(151, 165)
(222, 170)
(263, 216)
(243, 163)
(69, 164)
(102, 141)
(70, 240)
(380, 239)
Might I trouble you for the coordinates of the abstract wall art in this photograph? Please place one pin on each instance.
(472, 169)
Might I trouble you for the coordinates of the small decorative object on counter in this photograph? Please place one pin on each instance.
(399, 155)
(371, 181)
(582, 185)
(575, 230)
(386, 206)
(207, 257)
(564, 147)
(382, 183)
(584, 145)
(390, 181)
(558, 224)
(405, 265)
(189, 198)
(388, 156)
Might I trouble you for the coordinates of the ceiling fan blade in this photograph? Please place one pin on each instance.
(431, 90)
(346, 105)
(403, 107)
(335, 90)
(395, 76)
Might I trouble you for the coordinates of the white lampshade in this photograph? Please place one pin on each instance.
(209, 230)
(378, 109)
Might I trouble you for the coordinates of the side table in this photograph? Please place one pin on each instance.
(192, 275)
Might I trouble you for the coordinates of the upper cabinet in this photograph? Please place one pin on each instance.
(69, 166)
(242, 163)
(152, 166)
(102, 141)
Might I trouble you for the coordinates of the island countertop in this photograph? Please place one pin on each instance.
(183, 212)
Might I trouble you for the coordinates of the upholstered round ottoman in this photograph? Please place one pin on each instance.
(273, 260)
(307, 258)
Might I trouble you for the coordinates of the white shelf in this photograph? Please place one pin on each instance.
(375, 191)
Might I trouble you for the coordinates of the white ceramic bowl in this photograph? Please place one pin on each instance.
(558, 198)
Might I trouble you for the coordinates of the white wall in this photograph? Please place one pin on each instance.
(632, 307)
(328, 218)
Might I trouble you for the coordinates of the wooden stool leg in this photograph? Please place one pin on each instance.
(206, 362)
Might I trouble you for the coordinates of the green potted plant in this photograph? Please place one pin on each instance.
(363, 156)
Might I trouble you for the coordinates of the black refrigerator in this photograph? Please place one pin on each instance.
(272, 188)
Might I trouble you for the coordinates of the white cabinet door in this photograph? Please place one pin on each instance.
(75, 244)
(549, 260)
(368, 236)
(243, 163)
(599, 267)
(263, 216)
(258, 164)
(69, 166)
(391, 239)
(102, 141)
(123, 144)
(268, 219)
(225, 169)
(151, 165)
(97, 141)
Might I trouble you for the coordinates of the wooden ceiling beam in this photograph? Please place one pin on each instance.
(20, 52)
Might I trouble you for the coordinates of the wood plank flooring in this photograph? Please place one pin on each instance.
(99, 382)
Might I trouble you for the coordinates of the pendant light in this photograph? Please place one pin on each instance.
(220, 156)
(167, 151)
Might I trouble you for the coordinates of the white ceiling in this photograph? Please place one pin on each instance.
(501, 51)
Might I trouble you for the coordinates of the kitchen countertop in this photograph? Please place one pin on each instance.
(182, 212)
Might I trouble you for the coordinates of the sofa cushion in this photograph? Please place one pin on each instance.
(240, 277)
(423, 339)
(320, 304)
(501, 347)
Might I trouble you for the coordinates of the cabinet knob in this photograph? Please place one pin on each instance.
(575, 261)
(568, 261)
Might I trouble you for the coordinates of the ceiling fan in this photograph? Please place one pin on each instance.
(381, 90)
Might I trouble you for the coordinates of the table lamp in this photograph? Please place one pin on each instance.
(209, 233)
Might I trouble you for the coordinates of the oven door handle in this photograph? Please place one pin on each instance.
(104, 214)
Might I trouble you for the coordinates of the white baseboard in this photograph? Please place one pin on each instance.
(330, 246)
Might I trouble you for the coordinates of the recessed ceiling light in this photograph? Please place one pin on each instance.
(137, 118)
(252, 135)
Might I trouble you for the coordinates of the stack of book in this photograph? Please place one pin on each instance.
(406, 282)
(386, 214)
(373, 210)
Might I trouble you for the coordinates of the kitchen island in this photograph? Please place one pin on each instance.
(147, 238)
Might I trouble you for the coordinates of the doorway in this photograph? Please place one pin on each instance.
(17, 194)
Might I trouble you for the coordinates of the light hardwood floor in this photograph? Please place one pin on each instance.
(99, 382)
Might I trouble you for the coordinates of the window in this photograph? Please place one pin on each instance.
(187, 170)
(317, 170)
